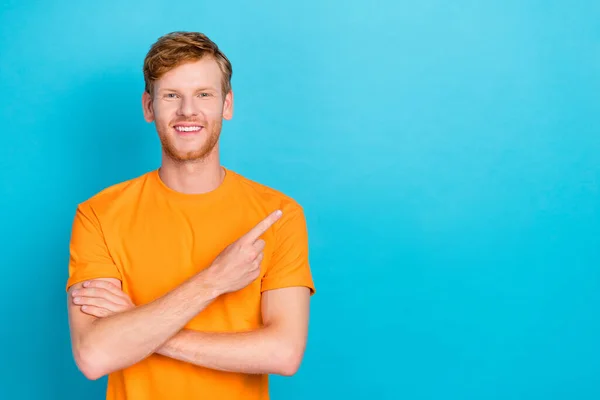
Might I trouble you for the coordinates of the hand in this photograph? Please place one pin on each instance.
(239, 263)
(101, 299)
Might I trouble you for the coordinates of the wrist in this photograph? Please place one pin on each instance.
(208, 284)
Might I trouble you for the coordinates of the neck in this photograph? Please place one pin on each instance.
(192, 177)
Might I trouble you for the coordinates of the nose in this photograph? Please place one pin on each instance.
(187, 108)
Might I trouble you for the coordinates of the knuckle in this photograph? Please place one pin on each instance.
(82, 301)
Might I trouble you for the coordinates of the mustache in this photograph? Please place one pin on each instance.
(188, 121)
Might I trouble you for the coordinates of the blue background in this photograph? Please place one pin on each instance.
(447, 155)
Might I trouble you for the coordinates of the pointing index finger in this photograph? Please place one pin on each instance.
(262, 226)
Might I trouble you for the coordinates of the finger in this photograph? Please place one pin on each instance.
(98, 302)
(96, 311)
(255, 273)
(100, 293)
(259, 245)
(258, 260)
(262, 227)
(114, 289)
(111, 287)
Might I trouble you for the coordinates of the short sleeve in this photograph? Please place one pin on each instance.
(89, 257)
(289, 264)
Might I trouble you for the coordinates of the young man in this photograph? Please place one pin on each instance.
(189, 281)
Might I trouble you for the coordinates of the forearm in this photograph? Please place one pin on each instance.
(123, 339)
(262, 351)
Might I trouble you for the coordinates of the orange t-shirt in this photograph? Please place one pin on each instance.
(153, 238)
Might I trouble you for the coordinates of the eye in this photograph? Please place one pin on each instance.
(204, 94)
(171, 95)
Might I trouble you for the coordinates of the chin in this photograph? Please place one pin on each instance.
(182, 150)
(189, 156)
(183, 154)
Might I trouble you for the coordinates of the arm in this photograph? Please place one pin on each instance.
(276, 348)
(101, 346)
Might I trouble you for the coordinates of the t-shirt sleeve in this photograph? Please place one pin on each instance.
(289, 264)
(89, 257)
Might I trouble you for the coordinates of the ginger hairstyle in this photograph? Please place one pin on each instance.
(176, 48)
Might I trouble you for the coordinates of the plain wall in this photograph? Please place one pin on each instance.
(446, 154)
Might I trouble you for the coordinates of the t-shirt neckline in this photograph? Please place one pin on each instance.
(218, 193)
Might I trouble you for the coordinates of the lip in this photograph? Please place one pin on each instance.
(187, 125)
(189, 133)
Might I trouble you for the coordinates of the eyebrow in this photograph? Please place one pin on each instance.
(201, 89)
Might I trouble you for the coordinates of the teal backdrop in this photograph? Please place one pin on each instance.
(447, 155)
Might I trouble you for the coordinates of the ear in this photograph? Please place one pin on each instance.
(147, 107)
(228, 106)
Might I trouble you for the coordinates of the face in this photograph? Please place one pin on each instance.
(188, 108)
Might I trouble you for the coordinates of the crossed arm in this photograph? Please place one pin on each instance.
(116, 334)
(105, 340)
(276, 348)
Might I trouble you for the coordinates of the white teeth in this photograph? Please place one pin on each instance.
(188, 128)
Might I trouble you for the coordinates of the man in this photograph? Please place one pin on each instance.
(190, 281)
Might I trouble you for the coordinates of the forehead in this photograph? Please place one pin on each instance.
(200, 73)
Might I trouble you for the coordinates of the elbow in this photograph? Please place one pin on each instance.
(89, 364)
(290, 359)
(289, 369)
(91, 374)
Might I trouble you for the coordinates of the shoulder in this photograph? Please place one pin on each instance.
(116, 196)
(266, 195)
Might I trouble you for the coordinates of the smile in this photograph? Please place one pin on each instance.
(188, 128)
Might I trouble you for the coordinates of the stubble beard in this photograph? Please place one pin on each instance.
(170, 150)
